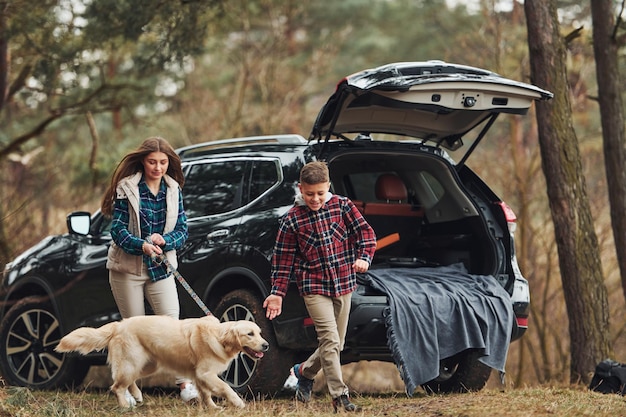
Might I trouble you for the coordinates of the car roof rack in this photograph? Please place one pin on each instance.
(251, 140)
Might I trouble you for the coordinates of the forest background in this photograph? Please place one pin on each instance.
(100, 76)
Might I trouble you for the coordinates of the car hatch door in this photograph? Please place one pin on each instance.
(429, 101)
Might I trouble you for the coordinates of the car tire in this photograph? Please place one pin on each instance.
(459, 374)
(245, 375)
(29, 332)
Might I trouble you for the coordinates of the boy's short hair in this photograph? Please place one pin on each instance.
(314, 173)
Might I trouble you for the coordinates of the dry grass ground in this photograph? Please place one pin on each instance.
(376, 387)
(538, 401)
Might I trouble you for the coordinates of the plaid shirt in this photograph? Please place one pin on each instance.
(152, 213)
(319, 248)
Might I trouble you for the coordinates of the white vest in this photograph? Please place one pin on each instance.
(128, 188)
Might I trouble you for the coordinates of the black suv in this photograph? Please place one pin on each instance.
(386, 135)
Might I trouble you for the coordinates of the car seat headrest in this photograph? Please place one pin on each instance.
(390, 187)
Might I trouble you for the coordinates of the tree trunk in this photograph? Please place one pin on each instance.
(4, 55)
(579, 259)
(605, 48)
(4, 90)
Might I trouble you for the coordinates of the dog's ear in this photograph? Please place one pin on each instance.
(237, 329)
(229, 335)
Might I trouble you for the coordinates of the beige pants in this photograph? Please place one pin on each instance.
(330, 316)
(129, 291)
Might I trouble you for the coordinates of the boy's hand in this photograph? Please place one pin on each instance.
(361, 266)
(274, 304)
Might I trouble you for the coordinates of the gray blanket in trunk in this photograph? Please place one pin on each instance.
(435, 313)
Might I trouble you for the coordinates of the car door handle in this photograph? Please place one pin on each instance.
(218, 234)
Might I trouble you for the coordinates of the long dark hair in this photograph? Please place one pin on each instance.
(133, 163)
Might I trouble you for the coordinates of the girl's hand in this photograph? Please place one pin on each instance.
(149, 249)
(157, 239)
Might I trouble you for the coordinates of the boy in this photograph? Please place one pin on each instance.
(323, 241)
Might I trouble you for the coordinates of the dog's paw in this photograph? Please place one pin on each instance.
(240, 404)
(132, 402)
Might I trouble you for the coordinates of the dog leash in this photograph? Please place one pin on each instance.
(162, 259)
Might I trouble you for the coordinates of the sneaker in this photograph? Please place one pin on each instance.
(304, 387)
(189, 393)
(132, 402)
(343, 403)
(291, 383)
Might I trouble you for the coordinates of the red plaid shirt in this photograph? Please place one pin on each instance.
(318, 248)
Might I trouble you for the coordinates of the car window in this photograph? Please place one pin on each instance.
(213, 187)
(100, 225)
(423, 188)
(430, 190)
(105, 225)
(263, 176)
(363, 185)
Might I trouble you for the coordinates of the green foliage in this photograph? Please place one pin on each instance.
(152, 33)
(108, 55)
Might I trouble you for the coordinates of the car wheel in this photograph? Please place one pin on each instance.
(460, 373)
(245, 375)
(29, 332)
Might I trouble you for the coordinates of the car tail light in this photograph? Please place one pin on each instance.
(509, 215)
(522, 322)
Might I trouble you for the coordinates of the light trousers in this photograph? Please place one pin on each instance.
(130, 290)
(330, 317)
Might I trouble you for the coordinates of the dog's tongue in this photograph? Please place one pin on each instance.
(253, 353)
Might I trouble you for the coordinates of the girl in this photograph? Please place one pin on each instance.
(145, 200)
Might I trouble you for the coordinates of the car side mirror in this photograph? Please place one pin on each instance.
(79, 223)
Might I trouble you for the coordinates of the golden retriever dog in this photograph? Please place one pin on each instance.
(200, 349)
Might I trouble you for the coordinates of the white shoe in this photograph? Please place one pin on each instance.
(291, 383)
(132, 402)
(189, 393)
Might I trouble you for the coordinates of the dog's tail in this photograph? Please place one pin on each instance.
(87, 339)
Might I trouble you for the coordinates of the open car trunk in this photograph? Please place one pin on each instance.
(442, 277)
(433, 223)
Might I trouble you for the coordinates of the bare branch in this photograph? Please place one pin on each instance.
(576, 33)
(19, 141)
(618, 21)
(55, 114)
(620, 41)
(20, 81)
